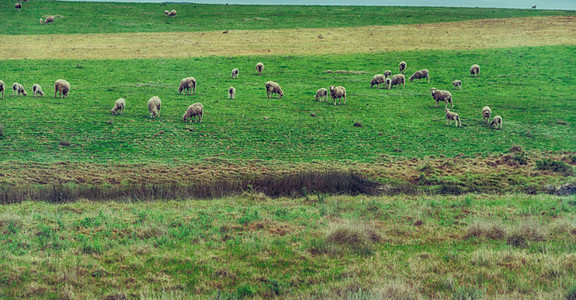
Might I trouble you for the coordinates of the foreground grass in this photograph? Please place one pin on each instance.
(82, 17)
(337, 246)
(529, 87)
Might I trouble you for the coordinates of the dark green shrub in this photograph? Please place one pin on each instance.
(548, 164)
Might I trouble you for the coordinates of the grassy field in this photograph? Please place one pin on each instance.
(82, 17)
(518, 84)
(466, 247)
(253, 201)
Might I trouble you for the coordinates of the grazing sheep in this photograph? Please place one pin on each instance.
(37, 90)
(231, 93)
(424, 73)
(475, 70)
(486, 112)
(61, 86)
(388, 83)
(322, 93)
(457, 84)
(338, 92)
(377, 80)
(172, 13)
(235, 73)
(154, 105)
(18, 89)
(166, 13)
(387, 73)
(193, 111)
(120, 104)
(49, 19)
(259, 68)
(441, 95)
(452, 116)
(188, 84)
(398, 79)
(402, 67)
(273, 88)
(2, 88)
(18, 6)
(496, 122)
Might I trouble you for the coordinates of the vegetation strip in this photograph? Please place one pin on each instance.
(466, 35)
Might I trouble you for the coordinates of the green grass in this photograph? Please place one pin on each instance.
(83, 17)
(322, 246)
(531, 88)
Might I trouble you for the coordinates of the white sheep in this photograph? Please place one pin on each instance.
(187, 84)
(402, 67)
(259, 68)
(377, 80)
(387, 73)
(424, 73)
(235, 72)
(17, 6)
(475, 70)
(398, 79)
(388, 83)
(172, 13)
(231, 93)
(452, 116)
(2, 88)
(486, 112)
(321, 93)
(37, 90)
(193, 111)
(154, 105)
(441, 95)
(61, 86)
(496, 122)
(457, 84)
(49, 19)
(338, 92)
(273, 88)
(119, 107)
(18, 89)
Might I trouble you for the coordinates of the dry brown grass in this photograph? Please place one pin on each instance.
(476, 34)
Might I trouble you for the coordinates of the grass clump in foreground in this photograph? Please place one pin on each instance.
(255, 246)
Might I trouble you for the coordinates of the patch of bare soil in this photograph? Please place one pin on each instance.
(475, 34)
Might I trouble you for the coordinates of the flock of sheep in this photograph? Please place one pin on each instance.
(195, 111)
(389, 81)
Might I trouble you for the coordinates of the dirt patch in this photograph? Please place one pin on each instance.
(476, 34)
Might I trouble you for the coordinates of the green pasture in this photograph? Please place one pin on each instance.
(531, 88)
(90, 17)
(319, 246)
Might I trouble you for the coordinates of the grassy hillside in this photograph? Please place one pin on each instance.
(83, 17)
(467, 247)
(529, 87)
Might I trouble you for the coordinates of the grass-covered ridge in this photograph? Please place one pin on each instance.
(466, 247)
(531, 88)
(90, 17)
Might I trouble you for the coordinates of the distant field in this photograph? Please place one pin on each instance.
(404, 247)
(465, 35)
(90, 17)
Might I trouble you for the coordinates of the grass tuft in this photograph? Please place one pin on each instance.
(548, 164)
(358, 238)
